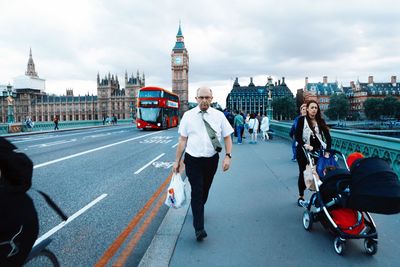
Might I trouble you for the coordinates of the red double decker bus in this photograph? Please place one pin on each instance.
(157, 108)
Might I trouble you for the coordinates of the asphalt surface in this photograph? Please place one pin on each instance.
(251, 216)
(78, 167)
(252, 219)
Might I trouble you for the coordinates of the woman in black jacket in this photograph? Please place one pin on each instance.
(312, 133)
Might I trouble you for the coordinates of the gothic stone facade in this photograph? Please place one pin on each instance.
(39, 106)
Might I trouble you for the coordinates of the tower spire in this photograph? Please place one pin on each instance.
(180, 43)
(30, 70)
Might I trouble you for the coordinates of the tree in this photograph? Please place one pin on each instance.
(284, 107)
(390, 104)
(397, 110)
(339, 107)
(373, 108)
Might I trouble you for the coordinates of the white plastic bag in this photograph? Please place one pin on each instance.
(309, 178)
(176, 195)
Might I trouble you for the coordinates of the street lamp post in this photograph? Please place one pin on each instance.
(269, 106)
(10, 95)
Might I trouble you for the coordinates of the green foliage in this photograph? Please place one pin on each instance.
(373, 108)
(284, 107)
(390, 104)
(339, 107)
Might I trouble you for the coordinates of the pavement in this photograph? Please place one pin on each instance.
(244, 215)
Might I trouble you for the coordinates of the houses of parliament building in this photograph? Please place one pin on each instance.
(29, 99)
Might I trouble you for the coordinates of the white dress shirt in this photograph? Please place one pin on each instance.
(192, 126)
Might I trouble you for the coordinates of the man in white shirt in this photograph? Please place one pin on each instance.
(201, 157)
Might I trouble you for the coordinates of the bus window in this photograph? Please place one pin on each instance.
(149, 114)
(144, 94)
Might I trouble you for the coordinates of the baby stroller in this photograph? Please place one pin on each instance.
(328, 205)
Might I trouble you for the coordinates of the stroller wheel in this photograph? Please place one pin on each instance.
(308, 219)
(339, 245)
(371, 246)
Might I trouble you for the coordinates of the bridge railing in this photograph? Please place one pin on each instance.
(347, 142)
(48, 125)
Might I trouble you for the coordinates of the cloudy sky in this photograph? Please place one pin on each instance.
(73, 40)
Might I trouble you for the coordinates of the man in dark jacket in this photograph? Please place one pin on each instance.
(18, 218)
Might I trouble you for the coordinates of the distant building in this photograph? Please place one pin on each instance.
(254, 99)
(32, 101)
(357, 92)
(320, 92)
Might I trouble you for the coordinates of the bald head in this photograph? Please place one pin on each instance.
(204, 91)
(204, 97)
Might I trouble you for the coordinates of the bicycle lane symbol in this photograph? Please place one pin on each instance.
(158, 140)
(162, 164)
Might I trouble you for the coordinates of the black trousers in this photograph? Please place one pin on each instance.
(200, 172)
(302, 162)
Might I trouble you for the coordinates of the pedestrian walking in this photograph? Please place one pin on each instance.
(201, 130)
(264, 127)
(303, 112)
(312, 133)
(259, 118)
(56, 123)
(253, 128)
(238, 125)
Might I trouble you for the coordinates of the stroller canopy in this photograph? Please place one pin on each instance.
(374, 187)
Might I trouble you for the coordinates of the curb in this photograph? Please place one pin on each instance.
(162, 247)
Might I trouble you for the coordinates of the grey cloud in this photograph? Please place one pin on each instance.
(225, 39)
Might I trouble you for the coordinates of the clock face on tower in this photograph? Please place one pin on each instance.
(178, 60)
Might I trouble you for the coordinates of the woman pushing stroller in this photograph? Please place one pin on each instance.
(312, 133)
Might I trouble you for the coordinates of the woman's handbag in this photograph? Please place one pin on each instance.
(250, 130)
(176, 195)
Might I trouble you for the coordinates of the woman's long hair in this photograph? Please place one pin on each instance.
(320, 121)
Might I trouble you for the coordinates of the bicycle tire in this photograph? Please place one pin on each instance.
(44, 258)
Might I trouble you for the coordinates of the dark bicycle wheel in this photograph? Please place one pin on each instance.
(43, 259)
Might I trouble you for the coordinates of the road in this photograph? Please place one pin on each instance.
(114, 170)
(107, 168)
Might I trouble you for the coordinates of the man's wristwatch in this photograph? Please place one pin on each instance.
(229, 155)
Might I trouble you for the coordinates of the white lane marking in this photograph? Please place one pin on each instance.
(70, 219)
(88, 151)
(148, 164)
(54, 143)
(175, 145)
(51, 135)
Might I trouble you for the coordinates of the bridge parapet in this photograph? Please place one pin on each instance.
(48, 125)
(347, 142)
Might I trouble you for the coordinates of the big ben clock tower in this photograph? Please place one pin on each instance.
(180, 70)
